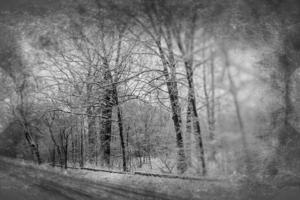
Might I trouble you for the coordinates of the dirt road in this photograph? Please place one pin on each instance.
(19, 182)
(26, 182)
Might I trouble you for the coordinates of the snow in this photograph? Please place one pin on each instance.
(187, 189)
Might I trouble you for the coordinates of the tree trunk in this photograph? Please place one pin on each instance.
(120, 124)
(81, 150)
(53, 156)
(186, 48)
(173, 92)
(105, 134)
(37, 153)
(188, 133)
(81, 164)
(175, 106)
(210, 109)
(288, 137)
(73, 149)
(128, 158)
(91, 120)
(61, 162)
(200, 142)
(116, 101)
(28, 135)
(34, 147)
(287, 69)
(233, 91)
(192, 102)
(91, 136)
(66, 152)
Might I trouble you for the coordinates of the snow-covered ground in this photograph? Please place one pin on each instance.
(83, 184)
(181, 189)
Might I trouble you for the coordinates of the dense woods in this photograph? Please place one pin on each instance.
(189, 87)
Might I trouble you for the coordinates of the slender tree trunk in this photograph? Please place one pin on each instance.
(188, 133)
(34, 147)
(176, 116)
(96, 149)
(210, 109)
(91, 137)
(287, 132)
(116, 101)
(66, 151)
(120, 125)
(37, 153)
(287, 70)
(26, 126)
(91, 120)
(175, 106)
(53, 156)
(287, 135)
(76, 145)
(173, 92)
(147, 152)
(233, 91)
(186, 48)
(60, 156)
(192, 102)
(81, 164)
(128, 159)
(287, 98)
(73, 149)
(105, 135)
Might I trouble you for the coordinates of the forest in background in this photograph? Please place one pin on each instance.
(200, 87)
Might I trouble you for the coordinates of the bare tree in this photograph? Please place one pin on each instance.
(155, 22)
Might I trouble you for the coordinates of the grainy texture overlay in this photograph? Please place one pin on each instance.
(150, 99)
